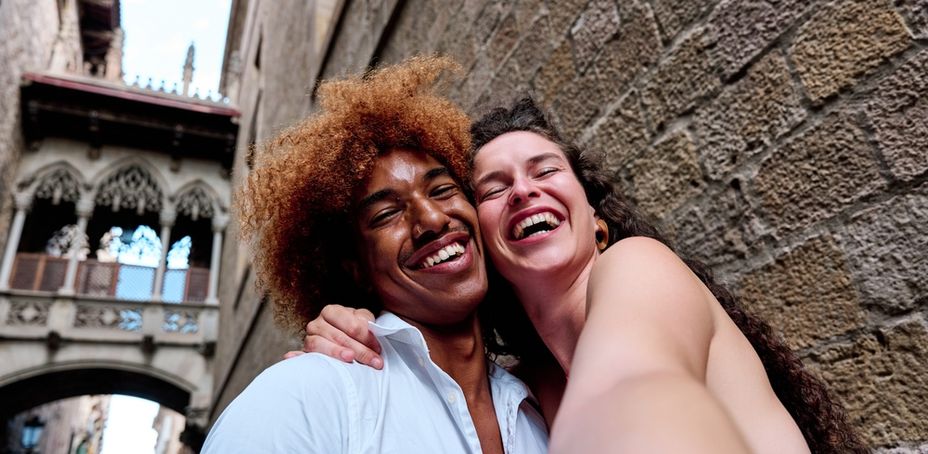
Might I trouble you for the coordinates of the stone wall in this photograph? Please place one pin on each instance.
(785, 143)
(29, 28)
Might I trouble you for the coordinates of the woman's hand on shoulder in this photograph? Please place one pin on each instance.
(342, 333)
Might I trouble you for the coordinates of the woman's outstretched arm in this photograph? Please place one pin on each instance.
(637, 381)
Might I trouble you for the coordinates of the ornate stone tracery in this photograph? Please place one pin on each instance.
(181, 321)
(132, 188)
(58, 185)
(110, 317)
(28, 313)
(66, 238)
(195, 203)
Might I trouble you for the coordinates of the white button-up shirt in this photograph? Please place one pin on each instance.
(313, 403)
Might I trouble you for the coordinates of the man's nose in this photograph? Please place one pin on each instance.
(522, 190)
(429, 219)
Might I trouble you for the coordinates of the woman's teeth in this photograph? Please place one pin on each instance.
(535, 224)
(443, 254)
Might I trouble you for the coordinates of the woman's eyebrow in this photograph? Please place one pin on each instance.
(544, 157)
(496, 174)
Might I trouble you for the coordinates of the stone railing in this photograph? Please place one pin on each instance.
(33, 315)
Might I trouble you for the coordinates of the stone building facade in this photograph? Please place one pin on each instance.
(784, 143)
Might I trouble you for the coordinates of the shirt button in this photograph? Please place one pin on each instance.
(452, 398)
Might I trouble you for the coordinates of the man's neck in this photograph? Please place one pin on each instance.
(459, 351)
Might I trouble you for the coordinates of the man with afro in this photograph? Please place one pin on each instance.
(363, 205)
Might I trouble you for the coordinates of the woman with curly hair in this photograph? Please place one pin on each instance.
(648, 339)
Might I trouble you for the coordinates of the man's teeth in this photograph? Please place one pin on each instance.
(546, 217)
(443, 254)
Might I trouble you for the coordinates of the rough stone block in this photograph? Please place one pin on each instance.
(667, 175)
(668, 93)
(562, 14)
(637, 47)
(754, 111)
(674, 15)
(502, 42)
(845, 40)
(596, 25)
(532, 51)
(475, 82)
(916, 13)
(898, 110)
(458, 41)
(486, 21)
(806, 294)
(527, 12)
(742, 29)
(888, 249)
(882, 381)
(556, 72)
(622, 135)
(817, 174)
(713, 234)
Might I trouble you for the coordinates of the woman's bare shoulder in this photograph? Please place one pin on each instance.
(640, 256)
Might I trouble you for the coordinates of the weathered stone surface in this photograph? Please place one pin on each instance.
(486, 21)
(888, 249)
(674, 15)
(457, 41)
(916, 14)
(527, 13)
(712, 233)
(742, 29)
(561, 15)
(817, 174)
(598, 23)
(899, 111)
(532, 51)
(502, 42)
(668, 93)
(555, 73)
(882, 380)
(845, 40)
(806, 294)
(475, 82)
(622, 135)
(757, 109)
(620, 61)
(666, 175)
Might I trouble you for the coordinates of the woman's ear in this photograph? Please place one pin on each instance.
(601, 234)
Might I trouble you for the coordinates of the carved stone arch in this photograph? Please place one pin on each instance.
(196, 200)
(58, 182)
(132, 186)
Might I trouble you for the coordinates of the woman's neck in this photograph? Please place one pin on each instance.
(557, 309)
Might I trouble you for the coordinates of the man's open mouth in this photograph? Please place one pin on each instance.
(536, 224)
(445, 254)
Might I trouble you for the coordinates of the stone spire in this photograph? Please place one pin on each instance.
(188, 70)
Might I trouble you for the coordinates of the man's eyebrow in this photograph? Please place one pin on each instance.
(375, 197)
(435, 173)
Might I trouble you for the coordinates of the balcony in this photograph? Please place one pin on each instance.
(45, 273)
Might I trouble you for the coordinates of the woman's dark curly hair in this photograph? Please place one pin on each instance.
(822, 421)
(296, 204)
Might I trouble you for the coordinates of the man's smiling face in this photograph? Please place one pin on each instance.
(418, 240)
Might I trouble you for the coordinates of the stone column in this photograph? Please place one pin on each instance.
(168, 215)
(84, 210)
(219, 224)
(23, 204)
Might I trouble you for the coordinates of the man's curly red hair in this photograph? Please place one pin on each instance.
(297, 203)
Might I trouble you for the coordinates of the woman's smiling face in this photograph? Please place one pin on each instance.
(532, 210)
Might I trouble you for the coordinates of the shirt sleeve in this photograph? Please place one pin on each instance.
(300, 405)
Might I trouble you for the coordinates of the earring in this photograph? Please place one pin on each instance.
(602, 235)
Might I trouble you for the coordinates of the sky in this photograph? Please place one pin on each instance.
(157, 33)
(128, 426)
